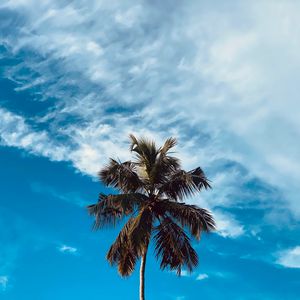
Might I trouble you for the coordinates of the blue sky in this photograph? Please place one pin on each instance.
(76, 77)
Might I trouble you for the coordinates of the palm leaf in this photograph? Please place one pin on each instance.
(194, 218)
(173, 247)
(121, 251)
(111, 208)
(164, 164)
(199, 179)
(141, 230)
(146, 152)
(181, 184)
(122, 176)
(131, 242)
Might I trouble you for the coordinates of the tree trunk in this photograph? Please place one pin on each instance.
(142, 275)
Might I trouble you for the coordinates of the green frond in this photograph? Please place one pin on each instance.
(173, 247)
(194, 218)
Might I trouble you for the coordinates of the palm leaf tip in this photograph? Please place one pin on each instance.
(199, 179)
(169, 143)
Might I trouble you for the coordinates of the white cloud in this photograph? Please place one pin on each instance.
(3, 282)
(227, 226)
(228, 91)
(15, 132)
(67, 249)
(184, 273)
(202, 276)
(290, 258)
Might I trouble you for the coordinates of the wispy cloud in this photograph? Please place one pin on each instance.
(202, 276)
(217, 88)
(3, 282)
(67, 249)
(71, 197)
(15, 132)
(227, 226)
(290, 258)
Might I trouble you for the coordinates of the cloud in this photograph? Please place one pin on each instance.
(3, 282)
(228, 92)
(68, 249)
(184, 273)
(227, 226)
(202, 276)
(290, 258)
(15, 132)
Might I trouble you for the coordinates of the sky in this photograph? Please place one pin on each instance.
(77, 77)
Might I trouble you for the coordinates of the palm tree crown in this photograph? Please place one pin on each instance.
(151, 190)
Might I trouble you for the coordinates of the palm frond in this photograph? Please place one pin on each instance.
(122, 176)
(146, 152)
(199, 179)
(194, 218)
(182, 184)
(173, 247)
(121, 251)
(111, 208)
(178, 186)
(169, 144)
(164, 164)
(131, 242)
(141, 230)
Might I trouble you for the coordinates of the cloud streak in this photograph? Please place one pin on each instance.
(67, 249)
(3, 283)
(228, 91)
(290, 258)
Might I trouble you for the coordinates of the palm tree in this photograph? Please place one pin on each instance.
(152, 188)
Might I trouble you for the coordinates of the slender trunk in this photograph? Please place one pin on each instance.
(142, 275)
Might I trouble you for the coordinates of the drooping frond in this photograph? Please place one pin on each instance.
(182, 184)
(111, 208)
(104, 213)
(194, 218)
(131, 242)
(141, 230)
(121, 251)
(173, 247)
(122, 176)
